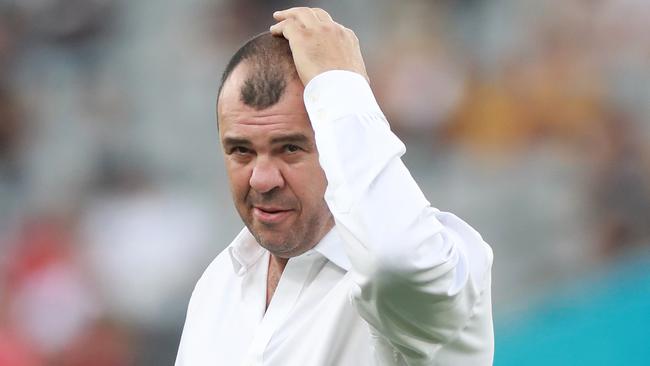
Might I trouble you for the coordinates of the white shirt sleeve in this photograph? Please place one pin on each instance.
(420, 272)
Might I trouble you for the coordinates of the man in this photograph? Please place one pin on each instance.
(343, 261)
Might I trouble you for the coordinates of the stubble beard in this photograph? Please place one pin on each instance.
(298, 238)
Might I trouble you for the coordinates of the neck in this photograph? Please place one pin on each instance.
(276, 267)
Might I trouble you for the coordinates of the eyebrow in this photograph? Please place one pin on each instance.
(296, 138)
(231, 141)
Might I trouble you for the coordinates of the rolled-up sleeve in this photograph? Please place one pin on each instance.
(420, 273)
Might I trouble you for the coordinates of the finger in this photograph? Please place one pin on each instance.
(351, 34)
(289, 13)
(277, 29)
(302, 14)
(285, 28)
(321, 14)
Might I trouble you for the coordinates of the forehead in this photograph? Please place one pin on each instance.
(241, 121)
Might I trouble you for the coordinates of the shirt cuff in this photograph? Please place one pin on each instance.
(338, 93)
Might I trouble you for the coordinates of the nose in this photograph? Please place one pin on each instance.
(266, 176)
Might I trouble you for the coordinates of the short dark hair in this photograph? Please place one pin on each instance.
(271, 66)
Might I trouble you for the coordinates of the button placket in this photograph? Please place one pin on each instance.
(285, 297)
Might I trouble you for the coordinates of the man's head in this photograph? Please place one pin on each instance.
(271, 158)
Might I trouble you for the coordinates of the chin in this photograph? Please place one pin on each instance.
(272, 242)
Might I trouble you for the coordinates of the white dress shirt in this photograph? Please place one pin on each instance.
(396, 282)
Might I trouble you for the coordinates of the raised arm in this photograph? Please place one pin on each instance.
(423, 276)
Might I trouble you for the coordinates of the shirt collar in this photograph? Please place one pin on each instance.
(245, 251)
(331, 247)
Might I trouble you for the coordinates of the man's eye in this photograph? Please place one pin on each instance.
(291, 148)
(239, 150)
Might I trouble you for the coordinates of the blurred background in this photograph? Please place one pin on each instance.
(529, 119)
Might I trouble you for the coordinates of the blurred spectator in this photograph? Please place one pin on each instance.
(142, 244)
(50, 303)
(104, 344)
(9, 39)
(554, 95)
(65, 20)
(489, 120)
(16, 352)
(416, 77)
(621, 189)
(234, 18)
(11, 130)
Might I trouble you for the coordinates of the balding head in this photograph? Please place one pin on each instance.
(269, 67)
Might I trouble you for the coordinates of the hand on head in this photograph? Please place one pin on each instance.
(318, 43)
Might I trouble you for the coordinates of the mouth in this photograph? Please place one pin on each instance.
(270, 215)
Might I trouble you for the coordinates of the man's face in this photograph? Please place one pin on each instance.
(272, 163)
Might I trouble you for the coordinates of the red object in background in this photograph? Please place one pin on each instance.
(42, 242)
(14, 352)
(104, 344)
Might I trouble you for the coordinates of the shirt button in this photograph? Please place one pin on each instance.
(313, 97)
